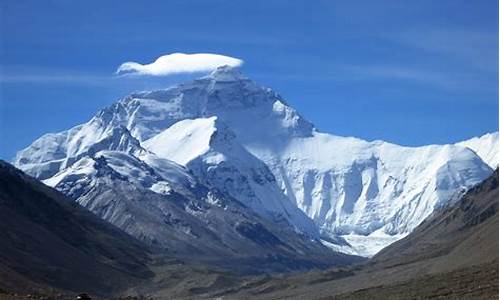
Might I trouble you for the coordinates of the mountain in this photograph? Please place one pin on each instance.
(49, 243)
(453, 254)
(245, 141)
(166, 207)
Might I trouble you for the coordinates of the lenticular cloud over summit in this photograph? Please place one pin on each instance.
(179, 63)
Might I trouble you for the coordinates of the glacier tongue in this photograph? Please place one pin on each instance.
(247, 141)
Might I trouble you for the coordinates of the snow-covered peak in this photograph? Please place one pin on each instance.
(226, 73)
(253, 112)
(486, 146)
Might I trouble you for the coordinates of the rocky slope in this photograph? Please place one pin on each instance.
(51, 244)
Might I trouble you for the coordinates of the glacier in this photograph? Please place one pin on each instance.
(247, 141)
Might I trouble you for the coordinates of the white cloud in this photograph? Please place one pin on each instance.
(179, 63)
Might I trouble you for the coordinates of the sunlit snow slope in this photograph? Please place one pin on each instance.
(486, 147)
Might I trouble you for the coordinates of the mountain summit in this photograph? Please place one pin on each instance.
(227, 73)
(247, 142)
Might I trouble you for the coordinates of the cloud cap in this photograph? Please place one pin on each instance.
(179, 63)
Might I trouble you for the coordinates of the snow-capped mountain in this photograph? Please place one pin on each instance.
(246, 141)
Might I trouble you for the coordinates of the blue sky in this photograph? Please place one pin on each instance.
(409, 72)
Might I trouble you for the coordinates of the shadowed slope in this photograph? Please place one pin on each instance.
(48, 241)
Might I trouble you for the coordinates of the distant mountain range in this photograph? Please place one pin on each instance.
(225, 158)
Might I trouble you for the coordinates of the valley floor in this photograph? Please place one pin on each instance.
(476, 282)
(479, 282)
